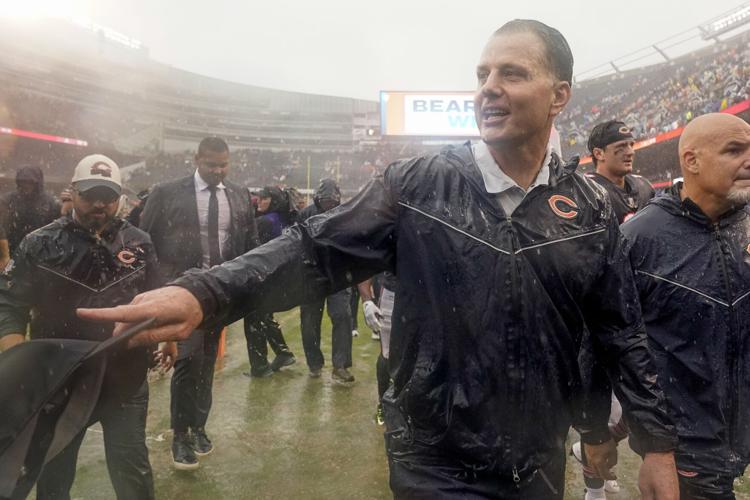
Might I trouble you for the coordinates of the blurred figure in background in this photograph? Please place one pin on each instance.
(327, 197)
(276, 211)
(26, 209)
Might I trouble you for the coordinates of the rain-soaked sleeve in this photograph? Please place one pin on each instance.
(310, 260)
(613, 315)
(17, 292)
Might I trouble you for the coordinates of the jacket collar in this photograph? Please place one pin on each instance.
(108, 234)
(673, 203)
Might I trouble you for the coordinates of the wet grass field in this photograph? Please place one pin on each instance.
(287, 436)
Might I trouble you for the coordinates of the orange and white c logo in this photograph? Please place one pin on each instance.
(569, 208)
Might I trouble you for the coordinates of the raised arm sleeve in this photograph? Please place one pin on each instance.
(326, 253)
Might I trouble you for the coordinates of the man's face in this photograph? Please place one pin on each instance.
(516, 95)
(26, 188)
(213, 166)
(724, 164)
(616, 158)
(327, 204)
(95, 207)
(263, 204)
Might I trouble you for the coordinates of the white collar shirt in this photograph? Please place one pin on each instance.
(202, 196)
(497, 182)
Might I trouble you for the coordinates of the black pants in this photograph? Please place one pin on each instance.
(382, 375)
(192, 383)
(260, 332)
(416, 477)
(124, 426)
(706, 487)
(339, 310)
(354, 303)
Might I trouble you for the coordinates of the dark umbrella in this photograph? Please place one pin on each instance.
(48, 392)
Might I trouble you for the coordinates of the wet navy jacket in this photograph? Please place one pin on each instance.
(491, 308)
(694, 281)
(63, 266)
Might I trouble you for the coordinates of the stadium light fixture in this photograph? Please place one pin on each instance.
(726, 23)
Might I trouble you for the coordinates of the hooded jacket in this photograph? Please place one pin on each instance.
(20, 215)
(693, 278)
(280, 214)
(491, 308)
(328, 189)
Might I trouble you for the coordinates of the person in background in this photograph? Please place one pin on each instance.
(25, 209)
(275, 212)
(327, 197)
(198, 221)
(611, 145)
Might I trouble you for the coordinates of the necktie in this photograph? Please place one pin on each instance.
(213, 227)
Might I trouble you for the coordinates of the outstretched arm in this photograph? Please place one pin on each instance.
(326, 253)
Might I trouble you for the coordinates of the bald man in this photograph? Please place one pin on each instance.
(690, 251)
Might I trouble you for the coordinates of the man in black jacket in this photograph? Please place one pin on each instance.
(89, 258)
(327, 197)
(506, 260)
(198, 221)
(26, 209)
(690, 250)
(611, 145)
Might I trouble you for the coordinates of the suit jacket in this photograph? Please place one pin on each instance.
(171, 218)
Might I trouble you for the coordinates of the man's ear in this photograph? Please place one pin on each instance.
(561, 97)
(598, 153)
(689, 161)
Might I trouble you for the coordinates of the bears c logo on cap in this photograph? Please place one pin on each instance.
(101, 168)
(563, 206)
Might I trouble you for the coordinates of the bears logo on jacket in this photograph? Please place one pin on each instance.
(563, 206)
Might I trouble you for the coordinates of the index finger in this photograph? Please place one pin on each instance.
(118, 314)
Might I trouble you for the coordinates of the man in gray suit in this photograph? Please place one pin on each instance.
(198, 221)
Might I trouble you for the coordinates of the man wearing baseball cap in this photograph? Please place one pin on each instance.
(88, 258)
(611, 146)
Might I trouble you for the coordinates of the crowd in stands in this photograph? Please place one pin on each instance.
(661, 98)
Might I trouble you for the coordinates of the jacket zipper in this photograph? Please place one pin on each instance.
(733, 343)
(515, 391)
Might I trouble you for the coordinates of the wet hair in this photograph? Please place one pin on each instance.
(557, 51)
(213, 144)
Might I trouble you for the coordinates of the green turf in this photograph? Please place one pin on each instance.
(287, 436)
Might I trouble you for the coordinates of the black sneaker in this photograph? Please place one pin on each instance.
(183, 456)
(202, 446)
(342, 376)
(262, 372)
(282, 360)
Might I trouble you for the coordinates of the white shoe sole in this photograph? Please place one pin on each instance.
(181, 466)
(197, 454)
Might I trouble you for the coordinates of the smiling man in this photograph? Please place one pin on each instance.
(690, 252)
(506, 260)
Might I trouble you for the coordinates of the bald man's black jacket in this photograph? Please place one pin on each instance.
(693, 277)
(491, 308)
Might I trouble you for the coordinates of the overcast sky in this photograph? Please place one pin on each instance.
(356, 48)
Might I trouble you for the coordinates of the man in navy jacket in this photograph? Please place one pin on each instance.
(690, 251)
